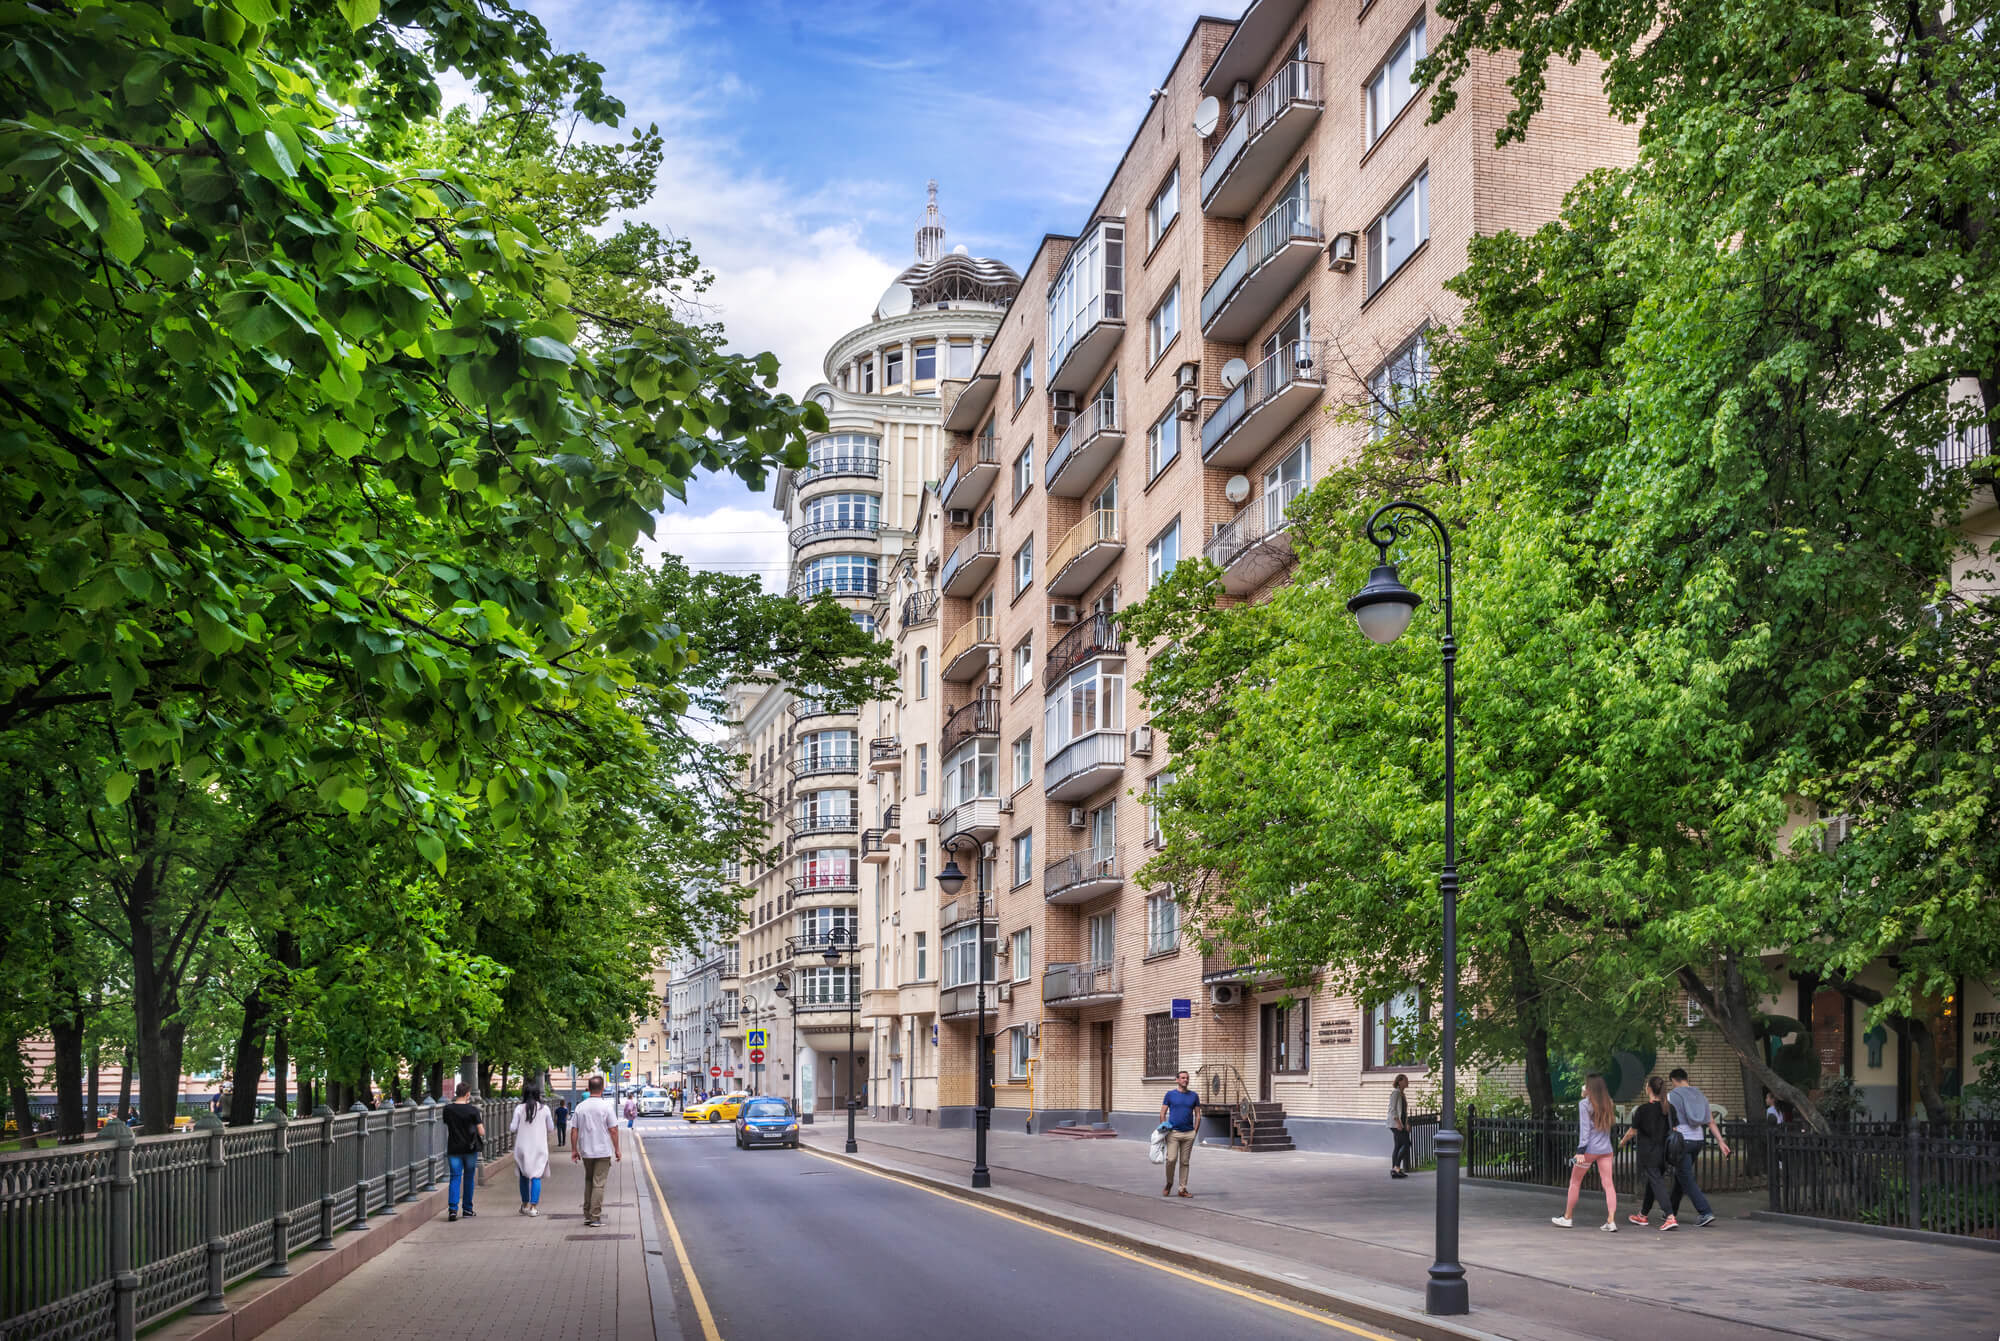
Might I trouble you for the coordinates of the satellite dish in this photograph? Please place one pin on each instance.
(1233, 372)
(960, 250)
(1207, 115)
(1237, 489)
(896, 300)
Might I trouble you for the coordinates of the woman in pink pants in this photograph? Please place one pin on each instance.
(1593, 1148)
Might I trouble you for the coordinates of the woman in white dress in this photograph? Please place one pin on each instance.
(532, 1126)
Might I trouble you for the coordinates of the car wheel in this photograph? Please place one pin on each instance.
(715, 1117)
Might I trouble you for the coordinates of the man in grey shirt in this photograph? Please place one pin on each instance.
(1691, 1114)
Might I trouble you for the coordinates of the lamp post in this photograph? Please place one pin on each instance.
(1383, 608)
(784, 991)
(832, 955)
(749, 1009)
(951, 880)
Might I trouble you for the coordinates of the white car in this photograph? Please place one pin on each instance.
(654, 1103)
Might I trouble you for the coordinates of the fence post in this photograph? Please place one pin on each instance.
(1912, 1172)
(211, 1211)
(409, 1152)
(388, 1159)
(1771, 1163)
(1471, 1140)
(281, 1213)
(324, 1244)
(124, 1280)
(430, 1145)
(360, 1111)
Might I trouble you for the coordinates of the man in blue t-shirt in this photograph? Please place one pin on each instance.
(1181, 1111)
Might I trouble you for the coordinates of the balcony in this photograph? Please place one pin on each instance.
(956, 912)
(1257, 545)
(819, 763)
(967, 651)
(892, 824)
(824, 882)
(885, 754)
(812, 826)
(1070, 985)
(1260, 407)
(836, 528)
(1257, 279)
(1087, 308)
(978, 819)
(920, 609)
(1268, 131)
(845, 584)
(804, 709)
(971, 476)
(1087, 764)
(971, 563)
(961, 1003)
(874, 850)
(981, 717)
(1082, 876)
(847, 465)
(1963, 446)
(1085, 449)
(1084, 555)
(1097, 636)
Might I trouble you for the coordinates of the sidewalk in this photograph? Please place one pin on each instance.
(501, 1274)
(1340, 1224)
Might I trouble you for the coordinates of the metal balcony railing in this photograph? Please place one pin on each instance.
(1291, 220)
(962, 1001)
(835, 528)
(1294, 82)
(1096, 980)
(838, 821)
(1099, 750)
(981, 541)
(856, 465)
(1096, 636)
(920, 609)
(825, 761)
(981, 717)
(883, 749)
(1090, 866)
(892, 818)
(1292, 362)
(1963, 446)
(985, 451)
(842, 584)
(825, 882)
(1251, 526)
(1099, 526)
(803, 708)
(1098, 417)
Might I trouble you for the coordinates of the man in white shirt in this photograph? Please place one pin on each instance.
(596, 1146)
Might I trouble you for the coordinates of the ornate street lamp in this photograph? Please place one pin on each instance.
(784, 990)
(832, 956)
(951, 880)
(1383, 608)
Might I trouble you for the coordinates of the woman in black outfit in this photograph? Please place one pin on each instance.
(1650, 1124)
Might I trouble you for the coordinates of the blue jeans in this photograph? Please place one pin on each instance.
(1684, 1182)
(531, 1191)
(465, 1167)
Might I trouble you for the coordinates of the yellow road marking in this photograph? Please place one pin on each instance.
(1223, 1286)
(708, 1329)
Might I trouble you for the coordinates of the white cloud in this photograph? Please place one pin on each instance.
(733, 538)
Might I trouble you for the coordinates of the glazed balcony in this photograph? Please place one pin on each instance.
(1087, 308)
(1262, 273)
(1087, 446)
(885, 754)
(1261, 141)
(1256, 545)
(1261, 406)
(971, 563)
(967, 651)
(1082, 876)
(972, 474)
(1085, 554)
(961, 1003)
(977, 819)
(835, 528)
(1084, 984)
(1086, 765)
(1096, 636)
(981, 717)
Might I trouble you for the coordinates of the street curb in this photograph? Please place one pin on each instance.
(1351, 1307)
(666, 1307)
(1928, 1236)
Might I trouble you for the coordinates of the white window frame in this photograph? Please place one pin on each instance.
(1163, 443)
(1024, 566)
(1024, 377)
(1163, 323)
(1163, 554)
(1021, 849)
(1017, 1052)
(1387, 254)
(1024, 471)
(1024, 761)
(1163, 208)
(1024, 663)
(923, 672)
(1020, 955)
(1163, 924)
(1159, 782)
(1395, 383)
(1392, 87)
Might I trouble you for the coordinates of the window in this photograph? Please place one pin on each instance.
(892, 368)
(960, 359)
(1024, 377)
(1390, 91)
(1290, 1038)
(1024, 566)
(1019, 957)
(1024, 471)
(827, 749)
(826, 926)
(1024, 858)
(831, 512)
(926, 363)
(1163, 1044)
(1092, 699)
(959, 946)
(923, 672)
(1024, 761)
(923, 957)
(923, 863)
(842, 451)
(1163, 554)
(1090, 289)
(827, 986)
(1156, 784)
(1166, 203)
(1163, 442)
(1284, 482)
(1103, 938)
(1391, 1036)
(841, 574)
(923, 769)
(868, 377)
(969, 773)
(863, 620)
(828, 868)
(1396, 383)
(1402, 228)
(1164, 324)
(1017, 1052)
(1024, 663)
(1163, 924)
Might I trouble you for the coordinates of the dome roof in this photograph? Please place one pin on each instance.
(947, 277)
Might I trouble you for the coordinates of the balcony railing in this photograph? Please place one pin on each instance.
(1255, 279)
(824, 882)
(802, 708)
(846, 584)
(966, 472)
(1965, 445)
(980, 544)
(1087, 764)
(857, 465)
(1096, 636)
(964, 907)
(981, 717)
(892, 818)
(1254, 524)
(962, 1002)
(978, 818)
(1079, 984)
(839, 821)
(1080, 874)
(1087, 444)
(1287, 103)
(835, 528)
(1287, 372)
(874, 847)
(825, 761)
(920, 609)
(961, 659)
(885, 752)
(1091, 546)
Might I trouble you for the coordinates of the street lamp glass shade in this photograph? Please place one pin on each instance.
(951, 879)
(781, 987)
(1384, 606)
(831, 953)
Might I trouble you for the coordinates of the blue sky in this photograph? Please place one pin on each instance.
(799, 137)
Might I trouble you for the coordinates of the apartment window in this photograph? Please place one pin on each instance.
(1163, 554)
(1390, 91)
(1090, 289)
(1163, 442)
(1017, 1052)
(923, 769)
(959, 947)
(1024, 858)
(868, 377)
(1166, 203)
(1391, 1034)
(1103, 938)
(1163, 924)
(824, 986)
(926, 359)
(1090, 699)
(844, 511)
(842, 574)
(1024, 471)
(1019, 959)
(1024, 761)
(1024, 566)
(923, 863)
(923, 672)
(1395, 236)
(1163, 1045)
(1164, 324)
(960, 358)
(1290, 1039)
(825, 926)
(863, 620)
(1024, 377)
(1156, 784)
(1284, 482)
(892, 368)
(1024, 663)
(1395, 384)
(923, 957)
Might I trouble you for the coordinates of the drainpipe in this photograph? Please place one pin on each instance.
(1031, 1095)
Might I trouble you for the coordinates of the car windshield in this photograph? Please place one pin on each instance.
(650, 1094)
(765, 1108)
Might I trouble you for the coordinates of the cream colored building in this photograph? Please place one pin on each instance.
(646, 1053)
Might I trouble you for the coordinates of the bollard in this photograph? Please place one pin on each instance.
(360, 1111)
(430, 1126)
(281, 1213)
(324, 1243)
(124, 1280)
(1913, 1176)
(211, 1212)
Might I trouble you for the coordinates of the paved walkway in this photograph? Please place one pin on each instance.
(1340, 1223)
(502, 1274)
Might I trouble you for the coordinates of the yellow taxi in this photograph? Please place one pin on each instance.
(722, 1108)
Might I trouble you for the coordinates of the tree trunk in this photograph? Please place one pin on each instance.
(437, 1081)
(125, 1082)
(1916, 1035)
(485, 1085)
(66, 1027)
(24, 1112)
(93, 1065)
(1729, 1008)
(1531, 1021)
(281, 1065)
(249, 1065)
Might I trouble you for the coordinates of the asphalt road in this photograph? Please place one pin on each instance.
(785, 1243)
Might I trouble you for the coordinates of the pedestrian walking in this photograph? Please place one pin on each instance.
(1694, 1119)
(1593, 1150)
(631, 1112)
(532, 1124)
(465, 1137)
(1652, 1127)
(1399, 1128)
(561, 1114)
(1181, 1111)
(595, 1147)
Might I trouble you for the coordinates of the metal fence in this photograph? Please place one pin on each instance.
(1537, 1151)
(102, 1238)
(1913, 1178)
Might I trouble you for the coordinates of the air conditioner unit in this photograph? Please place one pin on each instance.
(895, 919)
(1186, 403)
(993, 674)
(1004, 992)
(1224, 994)
(1838, 830)
(1142, 741)
(1188, 374)
(1062, 612)
(1061, 401)
(934, 816)
(1035, 1031)
(959, 516)
(1077, 819)
(1007, 806)
(1342, 251)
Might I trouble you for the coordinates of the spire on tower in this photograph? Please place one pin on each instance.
(930, 233)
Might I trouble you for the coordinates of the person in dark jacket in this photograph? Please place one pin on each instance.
(1650, 1124)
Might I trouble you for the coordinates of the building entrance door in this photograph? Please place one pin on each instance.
(1267, 1034)
(1101, 1038)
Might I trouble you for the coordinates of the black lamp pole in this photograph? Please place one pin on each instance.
(1383, 608)
(832, 956)
(951, 880)
(784, 991)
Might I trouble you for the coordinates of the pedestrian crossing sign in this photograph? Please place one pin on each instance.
(754, 1038)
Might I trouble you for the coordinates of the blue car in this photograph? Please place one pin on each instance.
(766, 1120)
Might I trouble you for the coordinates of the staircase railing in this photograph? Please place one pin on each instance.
(1221, 1087)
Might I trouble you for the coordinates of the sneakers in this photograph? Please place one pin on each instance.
(523, 1210)
(1705, 1221)
(1609, 1226)
(1671, 1223)
(534, 1212)
(1561, 1221)
(467, 1213)
(1398, 1173)
(453, 1217)
(1638, 1220)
